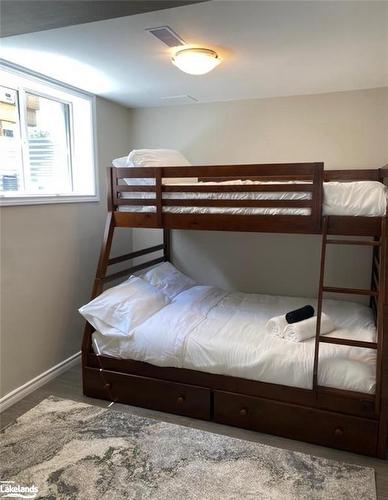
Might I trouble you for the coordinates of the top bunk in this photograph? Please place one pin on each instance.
(280, 198)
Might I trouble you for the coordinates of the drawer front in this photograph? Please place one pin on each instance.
(150, 393)
(296, 422)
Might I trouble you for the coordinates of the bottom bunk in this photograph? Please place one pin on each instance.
(207, 329)
(165, 343)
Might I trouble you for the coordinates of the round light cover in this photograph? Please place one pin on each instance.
(196, 61)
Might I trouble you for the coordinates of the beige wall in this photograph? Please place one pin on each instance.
(345, 130)
(49, 255)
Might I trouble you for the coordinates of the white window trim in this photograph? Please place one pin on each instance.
(58, 198)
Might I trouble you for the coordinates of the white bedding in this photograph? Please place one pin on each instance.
(363, 198)
(210, 330)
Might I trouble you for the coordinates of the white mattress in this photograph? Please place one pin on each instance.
(210, 330)
(363, 198)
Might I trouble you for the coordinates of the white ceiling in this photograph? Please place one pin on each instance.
(270, 48)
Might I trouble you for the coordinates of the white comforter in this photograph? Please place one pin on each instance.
(210, 330)
(363, 198)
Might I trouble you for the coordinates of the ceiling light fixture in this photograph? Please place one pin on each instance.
(196, 61)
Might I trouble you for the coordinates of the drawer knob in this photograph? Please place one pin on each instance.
(108, 386)
(243, 412)
(180, 399)
(338, 432)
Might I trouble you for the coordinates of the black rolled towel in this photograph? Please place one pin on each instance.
(304, 312)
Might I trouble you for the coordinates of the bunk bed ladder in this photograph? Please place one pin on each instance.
(373, 293)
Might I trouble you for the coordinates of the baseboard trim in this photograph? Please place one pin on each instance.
(20, 392)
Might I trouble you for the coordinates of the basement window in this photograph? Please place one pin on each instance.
(46, 141)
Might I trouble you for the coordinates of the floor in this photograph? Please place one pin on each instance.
(68, 385)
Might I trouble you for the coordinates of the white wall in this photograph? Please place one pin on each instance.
(344, 129)
(48, 260)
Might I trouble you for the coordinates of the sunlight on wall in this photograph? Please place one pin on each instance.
(60, 67)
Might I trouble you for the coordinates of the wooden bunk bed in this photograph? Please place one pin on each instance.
(341, 419)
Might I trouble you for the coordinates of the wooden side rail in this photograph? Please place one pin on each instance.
(134, 255)
(132, 269)
(152, 203)
(163, 247)
(260, 170)
(352, 175)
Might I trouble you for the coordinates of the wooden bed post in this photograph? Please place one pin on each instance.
(382, 365)
(318, 196)
(101, 267)
(106, 242)
(167, 244)
(319, 305)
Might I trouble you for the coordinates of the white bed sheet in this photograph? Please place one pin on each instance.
(363, 198)
(214, 331)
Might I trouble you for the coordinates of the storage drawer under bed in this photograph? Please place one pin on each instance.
(297, 422)
(150, 393)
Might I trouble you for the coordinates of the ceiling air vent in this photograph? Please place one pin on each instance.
(179, 99)
(166, 35)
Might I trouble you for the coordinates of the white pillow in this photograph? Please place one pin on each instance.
(121, 308)
(157, 158)
(121, 162)
(168, 279)
(154, 158)
(124, 162)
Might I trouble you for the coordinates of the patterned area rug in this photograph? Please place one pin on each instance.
(68, 450)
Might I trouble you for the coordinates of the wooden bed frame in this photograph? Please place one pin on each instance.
(341, 419)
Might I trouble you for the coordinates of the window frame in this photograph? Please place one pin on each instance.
(41, 199)
(22, 93)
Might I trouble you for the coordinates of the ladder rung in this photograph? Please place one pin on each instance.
(371, 243)
(355, 291)
(349, 342)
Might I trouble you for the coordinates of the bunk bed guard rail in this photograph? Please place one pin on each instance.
(284, 197)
